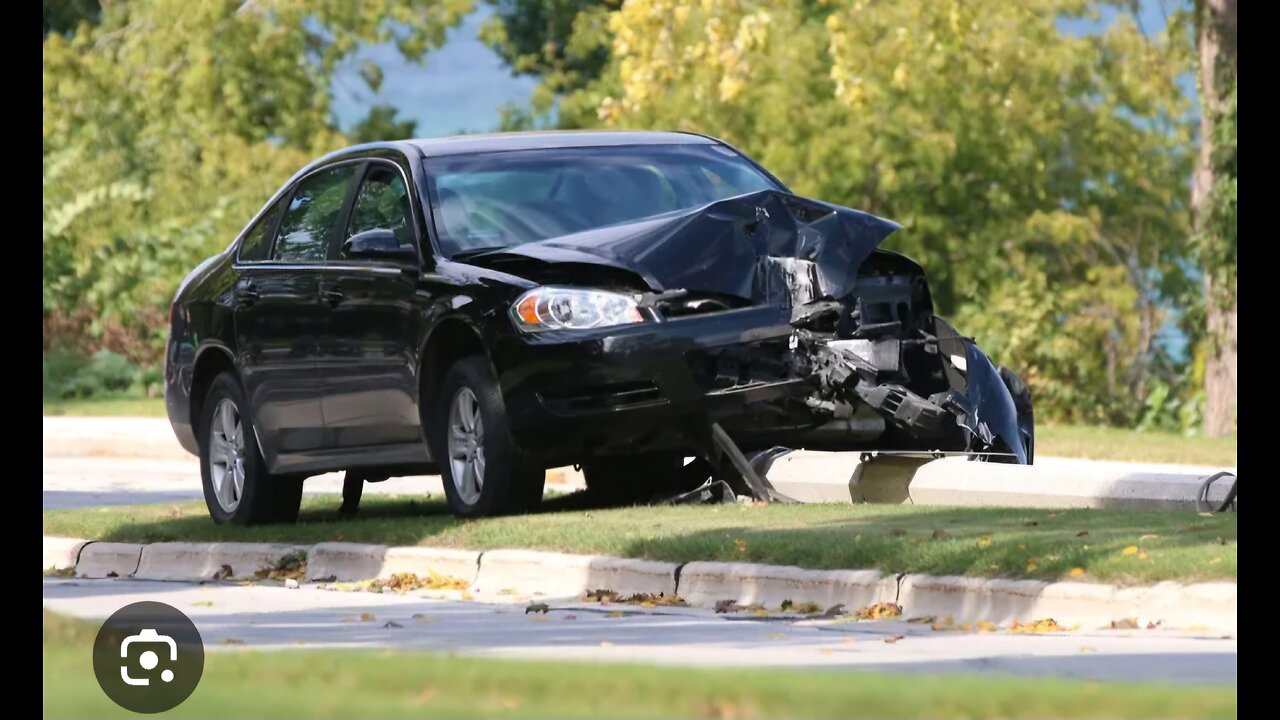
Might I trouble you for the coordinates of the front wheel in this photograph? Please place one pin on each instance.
(485, 471)
(238, 490)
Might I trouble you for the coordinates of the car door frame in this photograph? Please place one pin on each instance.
(400, 440)
(292, 460)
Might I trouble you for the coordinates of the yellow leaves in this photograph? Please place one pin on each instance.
(1135, 551)
(642, 599)
(1032, 564)
(879, 611)
(367, 617)
(1036, 627)
(740, 545)
(984, 542)
(1076, 572)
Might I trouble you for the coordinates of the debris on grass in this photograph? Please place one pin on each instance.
(401, 583)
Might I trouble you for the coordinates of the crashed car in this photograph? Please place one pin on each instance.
(654, 307)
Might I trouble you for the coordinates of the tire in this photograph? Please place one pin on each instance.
(262, 497)
(630, 481)
(507, 479)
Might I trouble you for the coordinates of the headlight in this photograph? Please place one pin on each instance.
(565, 308)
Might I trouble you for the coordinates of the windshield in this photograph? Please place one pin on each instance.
(496, 200)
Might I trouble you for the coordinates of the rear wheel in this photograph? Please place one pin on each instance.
(485, 471)
(238, 490)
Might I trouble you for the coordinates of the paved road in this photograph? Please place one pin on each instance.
(265, 617)
(97, 481)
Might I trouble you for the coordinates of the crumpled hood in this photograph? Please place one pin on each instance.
(767, 246)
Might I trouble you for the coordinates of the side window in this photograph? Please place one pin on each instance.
(256, 242)
(383, 202)
(312, 216)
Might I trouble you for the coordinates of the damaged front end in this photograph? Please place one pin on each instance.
(855, 352)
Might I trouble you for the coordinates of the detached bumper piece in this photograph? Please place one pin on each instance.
(907, 410)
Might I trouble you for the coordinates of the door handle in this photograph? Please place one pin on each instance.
(247, 293)
(332, 295)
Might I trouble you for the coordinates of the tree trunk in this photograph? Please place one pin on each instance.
(1217, 45)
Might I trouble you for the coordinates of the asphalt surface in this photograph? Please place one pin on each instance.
(273, 617)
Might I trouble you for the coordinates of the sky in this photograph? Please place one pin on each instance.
(460, 87)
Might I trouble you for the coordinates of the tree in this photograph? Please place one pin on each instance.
(168, 123)
(564, 43)
(1040, 176)
(381, 124)
(64, 16)
(1214, 203)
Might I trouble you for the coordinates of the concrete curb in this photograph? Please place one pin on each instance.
(61, 553)
(1050, 483)
(531, 572)
(565, 576)
(705, 583)
(108, 559)
(202, 561)
(348, 562)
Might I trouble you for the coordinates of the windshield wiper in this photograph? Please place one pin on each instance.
(472, 252)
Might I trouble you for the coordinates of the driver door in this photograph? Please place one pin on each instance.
(368, 354)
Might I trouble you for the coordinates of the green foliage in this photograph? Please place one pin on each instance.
(1041, 177)
(381, 124)
(168, 123)
(105, 374)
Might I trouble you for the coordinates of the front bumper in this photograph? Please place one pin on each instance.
(654, 386)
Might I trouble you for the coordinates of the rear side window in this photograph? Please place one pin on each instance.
(312, 216)
(256, 242)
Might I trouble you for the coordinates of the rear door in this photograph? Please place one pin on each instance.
(368, 355)
(280, 318)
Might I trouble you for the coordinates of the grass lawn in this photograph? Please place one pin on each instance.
(1121, 546)
(108, 407)
(373, 684)
(1102, 443)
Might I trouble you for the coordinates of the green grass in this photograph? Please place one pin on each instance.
(313, 683)
(990, 542)
(1103, 443)
(107, 407)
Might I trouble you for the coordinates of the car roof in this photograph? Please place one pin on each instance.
(499, 142)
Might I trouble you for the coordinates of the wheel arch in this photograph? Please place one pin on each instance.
(210, 362)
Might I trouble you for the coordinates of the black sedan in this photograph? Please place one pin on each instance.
(655, 307)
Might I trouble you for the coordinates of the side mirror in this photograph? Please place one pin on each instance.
(378, 244)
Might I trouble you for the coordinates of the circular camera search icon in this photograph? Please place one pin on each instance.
(148, 657)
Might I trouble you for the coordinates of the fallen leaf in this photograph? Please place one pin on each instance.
(601, 596)
(740, 545)
(1076, 572)
(233, 641)
(922, 620)
(834, 611)
(1155, 625)
(1034, 627)
(1031, 565)
(1142, 555)
(985, 626)
(466, 595)
(894, 639)
(1125, 624)
(536, 608)
(880, 611)
(1148, 537)
(367, 617)
(615, 614)
(760, 612)
(202, 603)
(1131, 550)
(1083, 533)
(727, 606)
(786, 604)
(984, 541)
